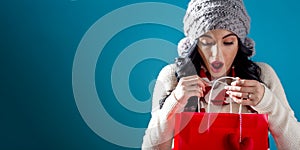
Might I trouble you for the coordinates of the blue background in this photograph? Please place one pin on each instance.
(38, 42)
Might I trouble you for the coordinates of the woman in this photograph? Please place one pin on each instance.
(217, 45)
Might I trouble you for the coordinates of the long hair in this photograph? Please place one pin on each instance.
(244, 67)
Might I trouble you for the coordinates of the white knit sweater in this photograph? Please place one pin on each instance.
(283, 125)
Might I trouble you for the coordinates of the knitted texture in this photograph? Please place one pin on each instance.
(205, 15)
(185, 45)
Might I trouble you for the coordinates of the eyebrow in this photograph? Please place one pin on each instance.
(205, 35)
(231, 34)
(208, 36)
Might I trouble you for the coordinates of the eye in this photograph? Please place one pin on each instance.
(228, 43)
(207, 43)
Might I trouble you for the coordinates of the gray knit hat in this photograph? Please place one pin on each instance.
(204, 15)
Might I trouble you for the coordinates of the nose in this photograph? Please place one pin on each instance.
(214, 51)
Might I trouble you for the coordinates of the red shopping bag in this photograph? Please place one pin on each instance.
(220, 131)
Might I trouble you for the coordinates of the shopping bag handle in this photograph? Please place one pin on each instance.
(212, 88)
(240, 107)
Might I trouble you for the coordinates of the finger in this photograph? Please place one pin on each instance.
(242, 82)
(238, 94)
(253, 97)
(246, 102)
(232, 88)
(194, 81)
(195, 93)
(206, 81)
(190, 77)
(196, 77)
(195, 88)
(202, 85)
(236, 99)
(241, 101)
(240, 89)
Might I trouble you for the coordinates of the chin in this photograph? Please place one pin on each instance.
(217, 74)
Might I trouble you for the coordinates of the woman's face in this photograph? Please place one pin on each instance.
(218, 49)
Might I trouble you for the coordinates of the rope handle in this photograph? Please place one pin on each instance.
(240, 107)
(214, 82)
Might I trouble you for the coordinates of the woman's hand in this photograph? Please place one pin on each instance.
(188, 87)
(246, 92)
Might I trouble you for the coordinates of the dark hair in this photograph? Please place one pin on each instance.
(243, 66)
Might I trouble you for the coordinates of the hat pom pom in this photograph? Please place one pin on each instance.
(184, 46)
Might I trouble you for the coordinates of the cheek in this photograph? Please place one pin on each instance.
(230, 55)
(205, 57)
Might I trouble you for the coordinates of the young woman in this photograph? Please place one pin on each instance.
(216, 45)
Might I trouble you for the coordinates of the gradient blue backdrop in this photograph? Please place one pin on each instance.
(38, 42)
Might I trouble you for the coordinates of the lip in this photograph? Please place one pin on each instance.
(216, 66)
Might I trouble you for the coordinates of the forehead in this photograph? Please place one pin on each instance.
(218, 33)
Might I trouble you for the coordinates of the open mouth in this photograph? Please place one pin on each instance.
(217, 66)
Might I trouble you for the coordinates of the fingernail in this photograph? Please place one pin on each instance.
(242, 81)
(203, 89)
(226, 87)
(228, 92)
(234, 100)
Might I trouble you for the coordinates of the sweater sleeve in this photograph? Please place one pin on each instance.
(283, 125)
(159, 133)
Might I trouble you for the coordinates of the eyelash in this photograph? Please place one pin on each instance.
(228, 43)
(210, 44)
(207, 43)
